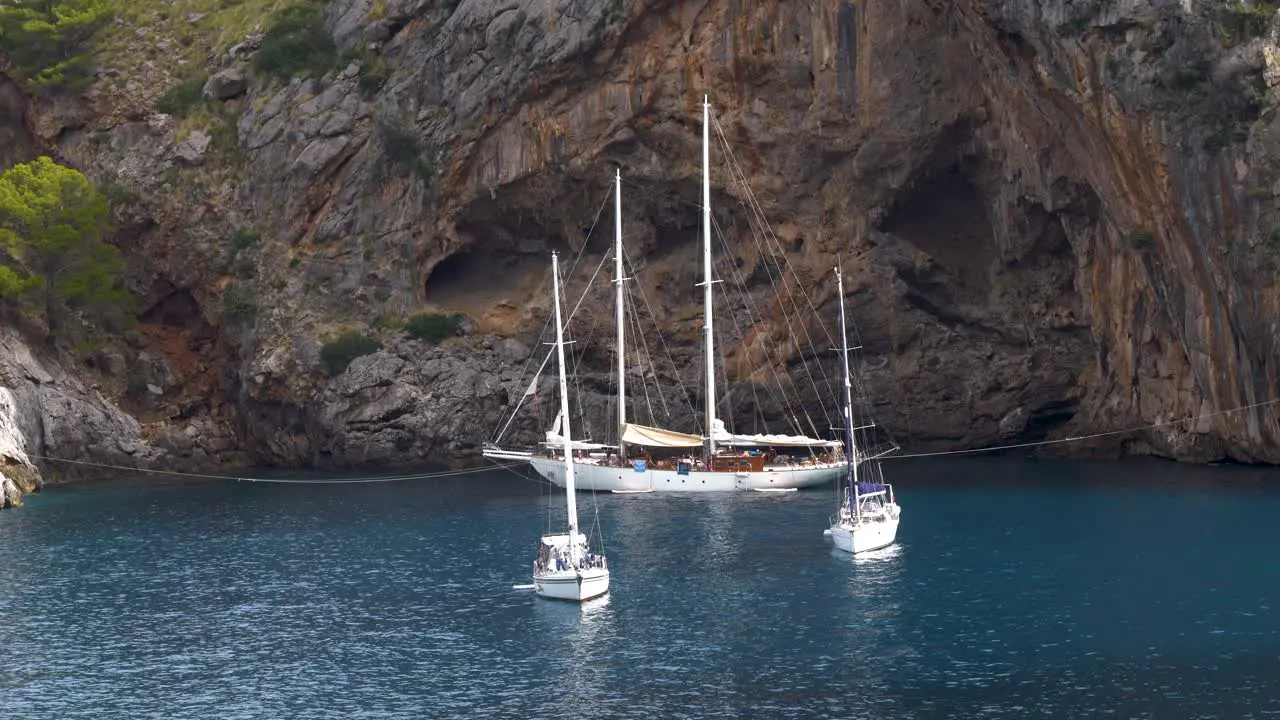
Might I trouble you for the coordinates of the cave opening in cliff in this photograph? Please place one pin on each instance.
(1047, 418)
(505, 267)
(945, 216)
(172, 307)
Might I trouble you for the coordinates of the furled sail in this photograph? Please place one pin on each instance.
(724, 437)
(633, 434)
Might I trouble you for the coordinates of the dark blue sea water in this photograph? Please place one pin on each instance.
(1018, 590)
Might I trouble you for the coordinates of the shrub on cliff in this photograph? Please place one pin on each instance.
(404, 150)
(48, 40)
(52, 222)
(297, 44)
(238, 304)
(184, 97)
(337, 354)
(433, 326)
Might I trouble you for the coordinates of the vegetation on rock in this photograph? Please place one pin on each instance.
(296, 44)
(180, 35)
(337, 354)
(243, 238)
(405, 151)
(238, 303)
(52, 222)
(374, 73)
(184, 97)
(1142, 239)
(1243, 21)
(433, 326)
(48, 40)
(1220, 109)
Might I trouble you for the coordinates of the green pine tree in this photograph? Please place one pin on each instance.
(48, 40)
(52, 221)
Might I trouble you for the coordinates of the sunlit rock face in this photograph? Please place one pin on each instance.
(1056, 219)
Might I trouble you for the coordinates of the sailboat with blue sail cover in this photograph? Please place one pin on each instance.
(867, 518)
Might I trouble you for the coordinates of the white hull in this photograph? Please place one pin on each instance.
(574, 585)
(870, 534)
(589, 476)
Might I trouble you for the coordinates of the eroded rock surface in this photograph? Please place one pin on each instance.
(1056, 218)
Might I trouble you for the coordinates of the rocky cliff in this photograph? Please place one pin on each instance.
(1060, 215)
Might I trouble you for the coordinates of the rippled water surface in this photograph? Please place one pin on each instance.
(1018, 589)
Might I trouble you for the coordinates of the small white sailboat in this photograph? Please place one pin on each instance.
(566, 569)
(867, 518)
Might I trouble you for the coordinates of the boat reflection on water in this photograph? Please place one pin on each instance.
(876, 586)
(585, 616)
(582, 634)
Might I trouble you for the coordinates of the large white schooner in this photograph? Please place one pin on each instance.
(654, 459)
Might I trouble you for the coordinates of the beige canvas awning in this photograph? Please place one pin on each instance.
(657, 437)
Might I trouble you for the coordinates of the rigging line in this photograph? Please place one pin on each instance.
(495, 439)
(658, 331)
(651, 194)
(541, 481)
(596, 529)
(520, 402)
(759, 210)
(866, 410)
(1087, 437)
(765, 256)
(769, 234)
(638, 345)
(241, 478)
(633, 326)
(648, 191)
(787, 292)
(551, 352)
(547, 323)
(585, 242)
(634, 316)
(611, 404)
(725, 400)
(368, 480)
(648, 354)
(577, 357)
(758, 414)
(785, 401)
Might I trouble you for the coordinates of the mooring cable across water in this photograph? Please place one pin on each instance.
(509, 466)
(285, 481)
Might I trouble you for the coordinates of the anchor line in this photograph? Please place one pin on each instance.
(282, 481)
(509, 466)
(1079, 438)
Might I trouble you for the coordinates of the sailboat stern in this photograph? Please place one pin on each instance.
(573, 585)
(559, 574)
(873, 533)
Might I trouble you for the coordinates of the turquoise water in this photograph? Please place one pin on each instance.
(1018, 589)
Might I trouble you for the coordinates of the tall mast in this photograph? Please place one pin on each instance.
(619, 311)
(571, 504)
(850, 446)
(706, 276)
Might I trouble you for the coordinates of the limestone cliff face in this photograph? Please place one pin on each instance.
(1057, 214)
